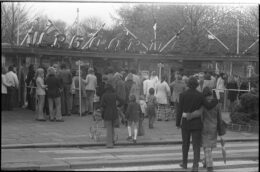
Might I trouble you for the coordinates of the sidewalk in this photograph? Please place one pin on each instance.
(20, 130)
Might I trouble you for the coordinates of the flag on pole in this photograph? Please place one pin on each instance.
(155, 25)
(210, 36)
(49, 27)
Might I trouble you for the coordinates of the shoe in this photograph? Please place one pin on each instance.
(129, 138)
(167, 120)
(159, 119)
(52, 120)
(184, 166)
(60, 120)
(134, 141)
(109, 147)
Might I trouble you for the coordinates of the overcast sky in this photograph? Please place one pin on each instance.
(67, 11)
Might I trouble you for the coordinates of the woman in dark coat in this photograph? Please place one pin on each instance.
(30, 81)
(232, 95)
(109, 112)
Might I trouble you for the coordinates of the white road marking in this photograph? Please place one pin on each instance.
(134, 149)
(135, 156)
(173, 166)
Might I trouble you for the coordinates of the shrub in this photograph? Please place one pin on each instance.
(240, 118)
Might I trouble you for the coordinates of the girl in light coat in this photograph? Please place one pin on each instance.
(163, 94)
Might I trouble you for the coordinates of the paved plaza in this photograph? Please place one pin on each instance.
(20, 128)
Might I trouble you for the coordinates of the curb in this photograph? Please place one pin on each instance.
(83, 144)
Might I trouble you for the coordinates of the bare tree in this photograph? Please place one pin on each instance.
(11, 12)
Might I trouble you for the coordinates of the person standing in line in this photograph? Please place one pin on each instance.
(178, 86)
(109, 112)
(29, 83)
(151, 107)
(220, 89)
(201, 82)
(75, 89)
(110, 76)
(133, 114)
(40, 93)
(232, 95)
(54, 93)
(5, 85)
(120, 93)
(66, 80)
(143, 106)
(163, 94)
(91, 84)
(12, 80)
(190, 101)
(146, 84)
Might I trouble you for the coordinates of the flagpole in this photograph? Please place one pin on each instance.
(237, 36)
(171, 39)
(77, 21)
(18, 24)
(217, 39)
(155, 28)
(251, 45)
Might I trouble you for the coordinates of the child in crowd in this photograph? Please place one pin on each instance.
(133, 113)
(143, 109)
(151, 107)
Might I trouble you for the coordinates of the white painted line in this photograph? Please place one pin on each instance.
(136, 149)
(153, 155)
(166, 167)
(253, 169)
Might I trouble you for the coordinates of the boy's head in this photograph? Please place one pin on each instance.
(132, 98)
(151, 91)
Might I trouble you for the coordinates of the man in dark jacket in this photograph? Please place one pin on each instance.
(189, 101)
(53, 93)
(109, 112)
(66, 79)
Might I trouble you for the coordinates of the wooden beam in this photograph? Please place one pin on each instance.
(128, 56)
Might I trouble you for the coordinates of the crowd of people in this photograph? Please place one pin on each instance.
(129, 97)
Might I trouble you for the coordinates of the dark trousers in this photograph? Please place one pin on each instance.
(196, 139)
(4, 101)
(110, 132)
(10, 97)
(65, 100)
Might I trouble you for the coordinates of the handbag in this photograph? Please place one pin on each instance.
(221, 125)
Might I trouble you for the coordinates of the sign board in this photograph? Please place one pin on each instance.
(81, 63)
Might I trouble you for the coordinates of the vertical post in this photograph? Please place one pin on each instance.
(79, 89)
(237, 36)
(225, 100)
(77, 21)
(18, 23)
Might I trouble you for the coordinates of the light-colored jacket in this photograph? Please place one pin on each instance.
(220, 85)
(39, 86)
(162, 91)
(178, 87)
(91, 82)
(4, 84)
(11, 79)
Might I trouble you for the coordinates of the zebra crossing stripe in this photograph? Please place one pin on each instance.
(131, 149)
(152, 154)
(176, 166)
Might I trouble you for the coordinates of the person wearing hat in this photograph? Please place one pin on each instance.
(91, 84)
(190, 101)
